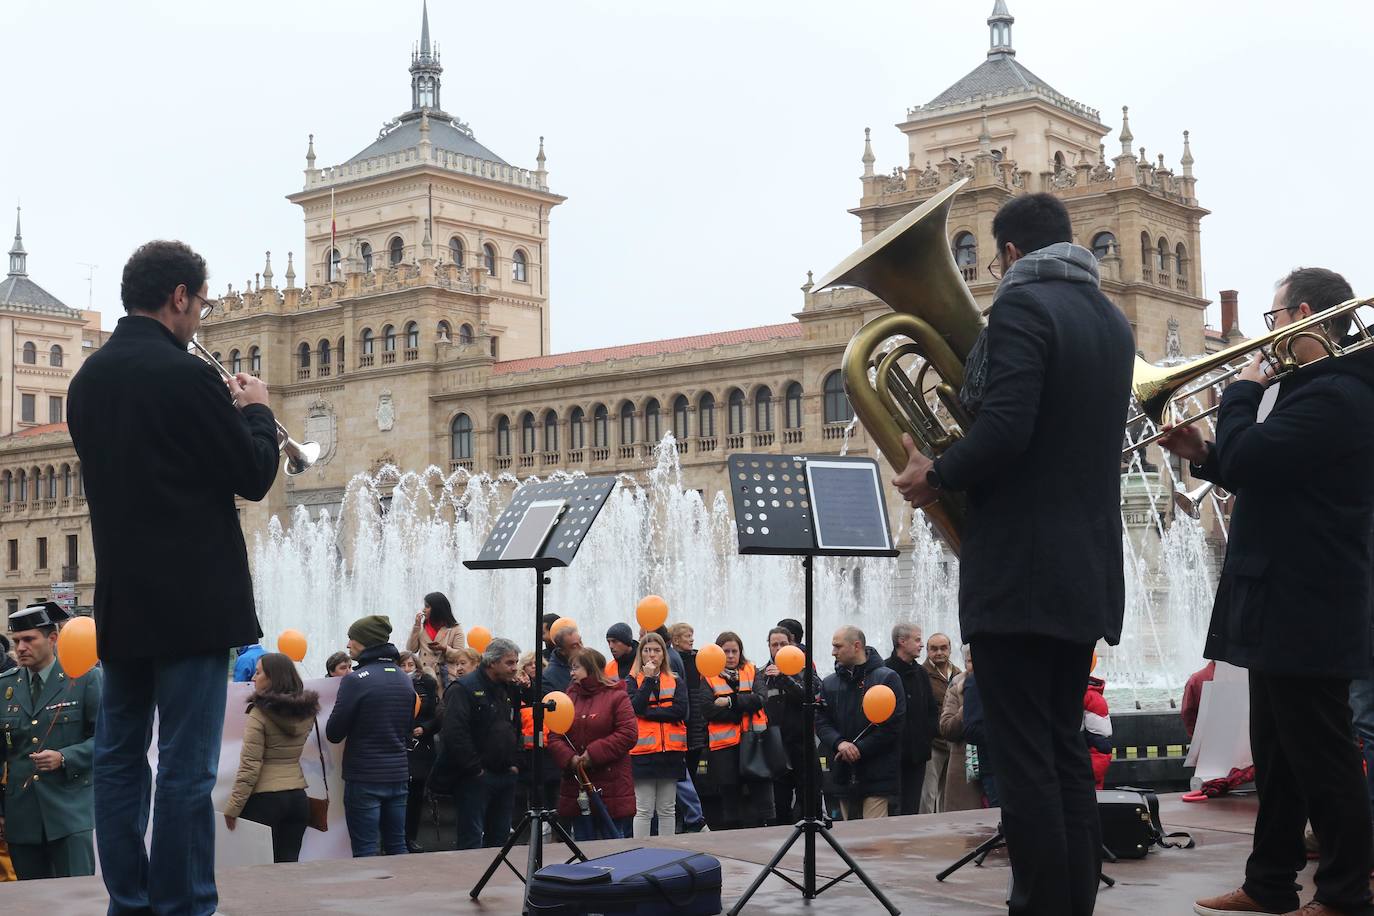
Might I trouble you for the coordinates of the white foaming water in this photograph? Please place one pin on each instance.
(660, 538)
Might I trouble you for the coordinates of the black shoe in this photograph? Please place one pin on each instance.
(413, 847)
(694, 828)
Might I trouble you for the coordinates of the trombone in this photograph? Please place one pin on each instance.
(299, 455)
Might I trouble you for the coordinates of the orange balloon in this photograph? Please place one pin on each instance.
(652, 612)
(790, 660)
(560, 623)
(1094, 665)
(416, 713)
(560, 718)
(879, 703)
(291, 643)
(710, 660)
(76, 646)
(479, 638)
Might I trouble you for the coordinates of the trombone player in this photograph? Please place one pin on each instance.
(1298, 562)
(1041, 577)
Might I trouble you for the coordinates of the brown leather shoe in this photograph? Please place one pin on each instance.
(1315, 909)
(1236, 903)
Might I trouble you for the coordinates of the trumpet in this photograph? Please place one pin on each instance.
(1156, 387)
(1190, 501)
(299, 455)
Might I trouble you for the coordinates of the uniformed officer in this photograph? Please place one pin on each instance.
(47, 726)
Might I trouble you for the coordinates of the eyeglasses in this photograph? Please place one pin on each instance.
(1272, 316)
(205, 309)
(995, 267)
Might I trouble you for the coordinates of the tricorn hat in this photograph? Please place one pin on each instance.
(35, 616)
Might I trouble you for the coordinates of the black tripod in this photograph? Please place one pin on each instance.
(811, 825)
(997, 841)
(537, 815)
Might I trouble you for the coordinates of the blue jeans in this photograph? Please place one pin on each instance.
(374, 809)
(1362, 709)
(484, 804)
(689, 801)
(188, 694)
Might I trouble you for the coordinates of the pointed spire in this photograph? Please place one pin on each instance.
(1127, 138)
(310, 153)
(19, 258)
(1187, 159)
(267, 271)
(541, 158)
(999, 28)
(868, 159)
(1144, 160)
(424, 30)
(290, 272)
(541, 175)
(424, 70)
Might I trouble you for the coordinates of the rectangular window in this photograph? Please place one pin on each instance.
(27, 407)
(42, 553)
(14, 555)
(71, 551)
(54, 410)
(12, 605)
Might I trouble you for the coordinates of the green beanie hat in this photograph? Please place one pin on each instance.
(373, 630)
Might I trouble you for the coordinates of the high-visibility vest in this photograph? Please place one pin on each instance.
(726, 734)
(657, 737)
(527, 729)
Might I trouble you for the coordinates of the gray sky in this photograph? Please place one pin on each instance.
(708, 150)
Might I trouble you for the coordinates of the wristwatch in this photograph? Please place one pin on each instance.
(933, 478)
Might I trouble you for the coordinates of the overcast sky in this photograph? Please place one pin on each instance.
(708, 150)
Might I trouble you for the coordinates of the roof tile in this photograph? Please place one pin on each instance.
(791, 329)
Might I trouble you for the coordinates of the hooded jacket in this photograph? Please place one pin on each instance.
(274, 737)
(374, 710)
(604, 725)
(1301, 548)
(841, 718)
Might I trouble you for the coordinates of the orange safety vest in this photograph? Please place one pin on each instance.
(658, 737)
(726, 734)
(527, 729)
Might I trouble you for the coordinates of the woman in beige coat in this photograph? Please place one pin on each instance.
(270, 787)
(434, 633)
(960, 794)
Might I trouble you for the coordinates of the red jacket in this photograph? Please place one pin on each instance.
(1097, 729)
(604, 725)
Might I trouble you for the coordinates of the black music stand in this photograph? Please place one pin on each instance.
(542, 528)
(810, 506)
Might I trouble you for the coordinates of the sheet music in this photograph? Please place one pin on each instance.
(847, 502)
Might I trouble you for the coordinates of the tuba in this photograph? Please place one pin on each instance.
(910, 267)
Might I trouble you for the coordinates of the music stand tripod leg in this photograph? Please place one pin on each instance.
(858, 872)
(979, 853)
(769, 869)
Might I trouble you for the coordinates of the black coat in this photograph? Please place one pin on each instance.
(375, 713)
(557, 674)
(481, 730)
(696, 717)
(1294, 595)
(922, 722)
(723, 765)
(841, 718)
(422, 747)
(1041, 466)
(163, 453)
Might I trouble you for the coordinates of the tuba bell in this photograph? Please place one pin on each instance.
(910, 267)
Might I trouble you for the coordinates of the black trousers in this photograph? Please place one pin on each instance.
(1307, 767)
(415, 806)
(1032, 692)
(913, 779)
(287, 813)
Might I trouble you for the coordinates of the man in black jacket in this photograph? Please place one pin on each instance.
(922, 721)
(864, 756)
(785, 694)
(1298, 561)
(374, 711)
(165, 446)
(567, 642)
(480, 758)
(1040, 579)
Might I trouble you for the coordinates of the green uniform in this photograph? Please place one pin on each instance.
(49, 816)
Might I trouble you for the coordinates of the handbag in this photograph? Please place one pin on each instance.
(1131, 824)
(319, 807)
(759, 753)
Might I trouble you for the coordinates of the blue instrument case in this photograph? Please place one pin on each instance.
(638, 882)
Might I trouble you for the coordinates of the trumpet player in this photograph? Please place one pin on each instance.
(165, 446)
(1040, 572)
(1298, 562)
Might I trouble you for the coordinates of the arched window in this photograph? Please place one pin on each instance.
(601, 434)
(966, 255)
(1163, 251)
(389, 339)
(369, 344)
(215, 356)
(324, 353)
(397, 251)
(527, 434)
(455, 251)
(503, 436)
(412, 336)
(66, 480)
(35, 484)
(8, 479)
(51, 478)
(332, 265)
(1147, 253)
(519, 267)
(21, 486)
(235, 361)
(706, 415)
(30, 353)
(837, 407)
(465, 333)
(680, 417)
(627, 423)
(734, 421)
(1180, 257)
(55, 356)
(550, 431)
(793, 400)
(254, 360)
(763, 410)
(489, 259)
(443, 331)
(1104, 243)
(653, 425)
(577, 433)
(365, 252)
(460, 432)
(303, 356)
